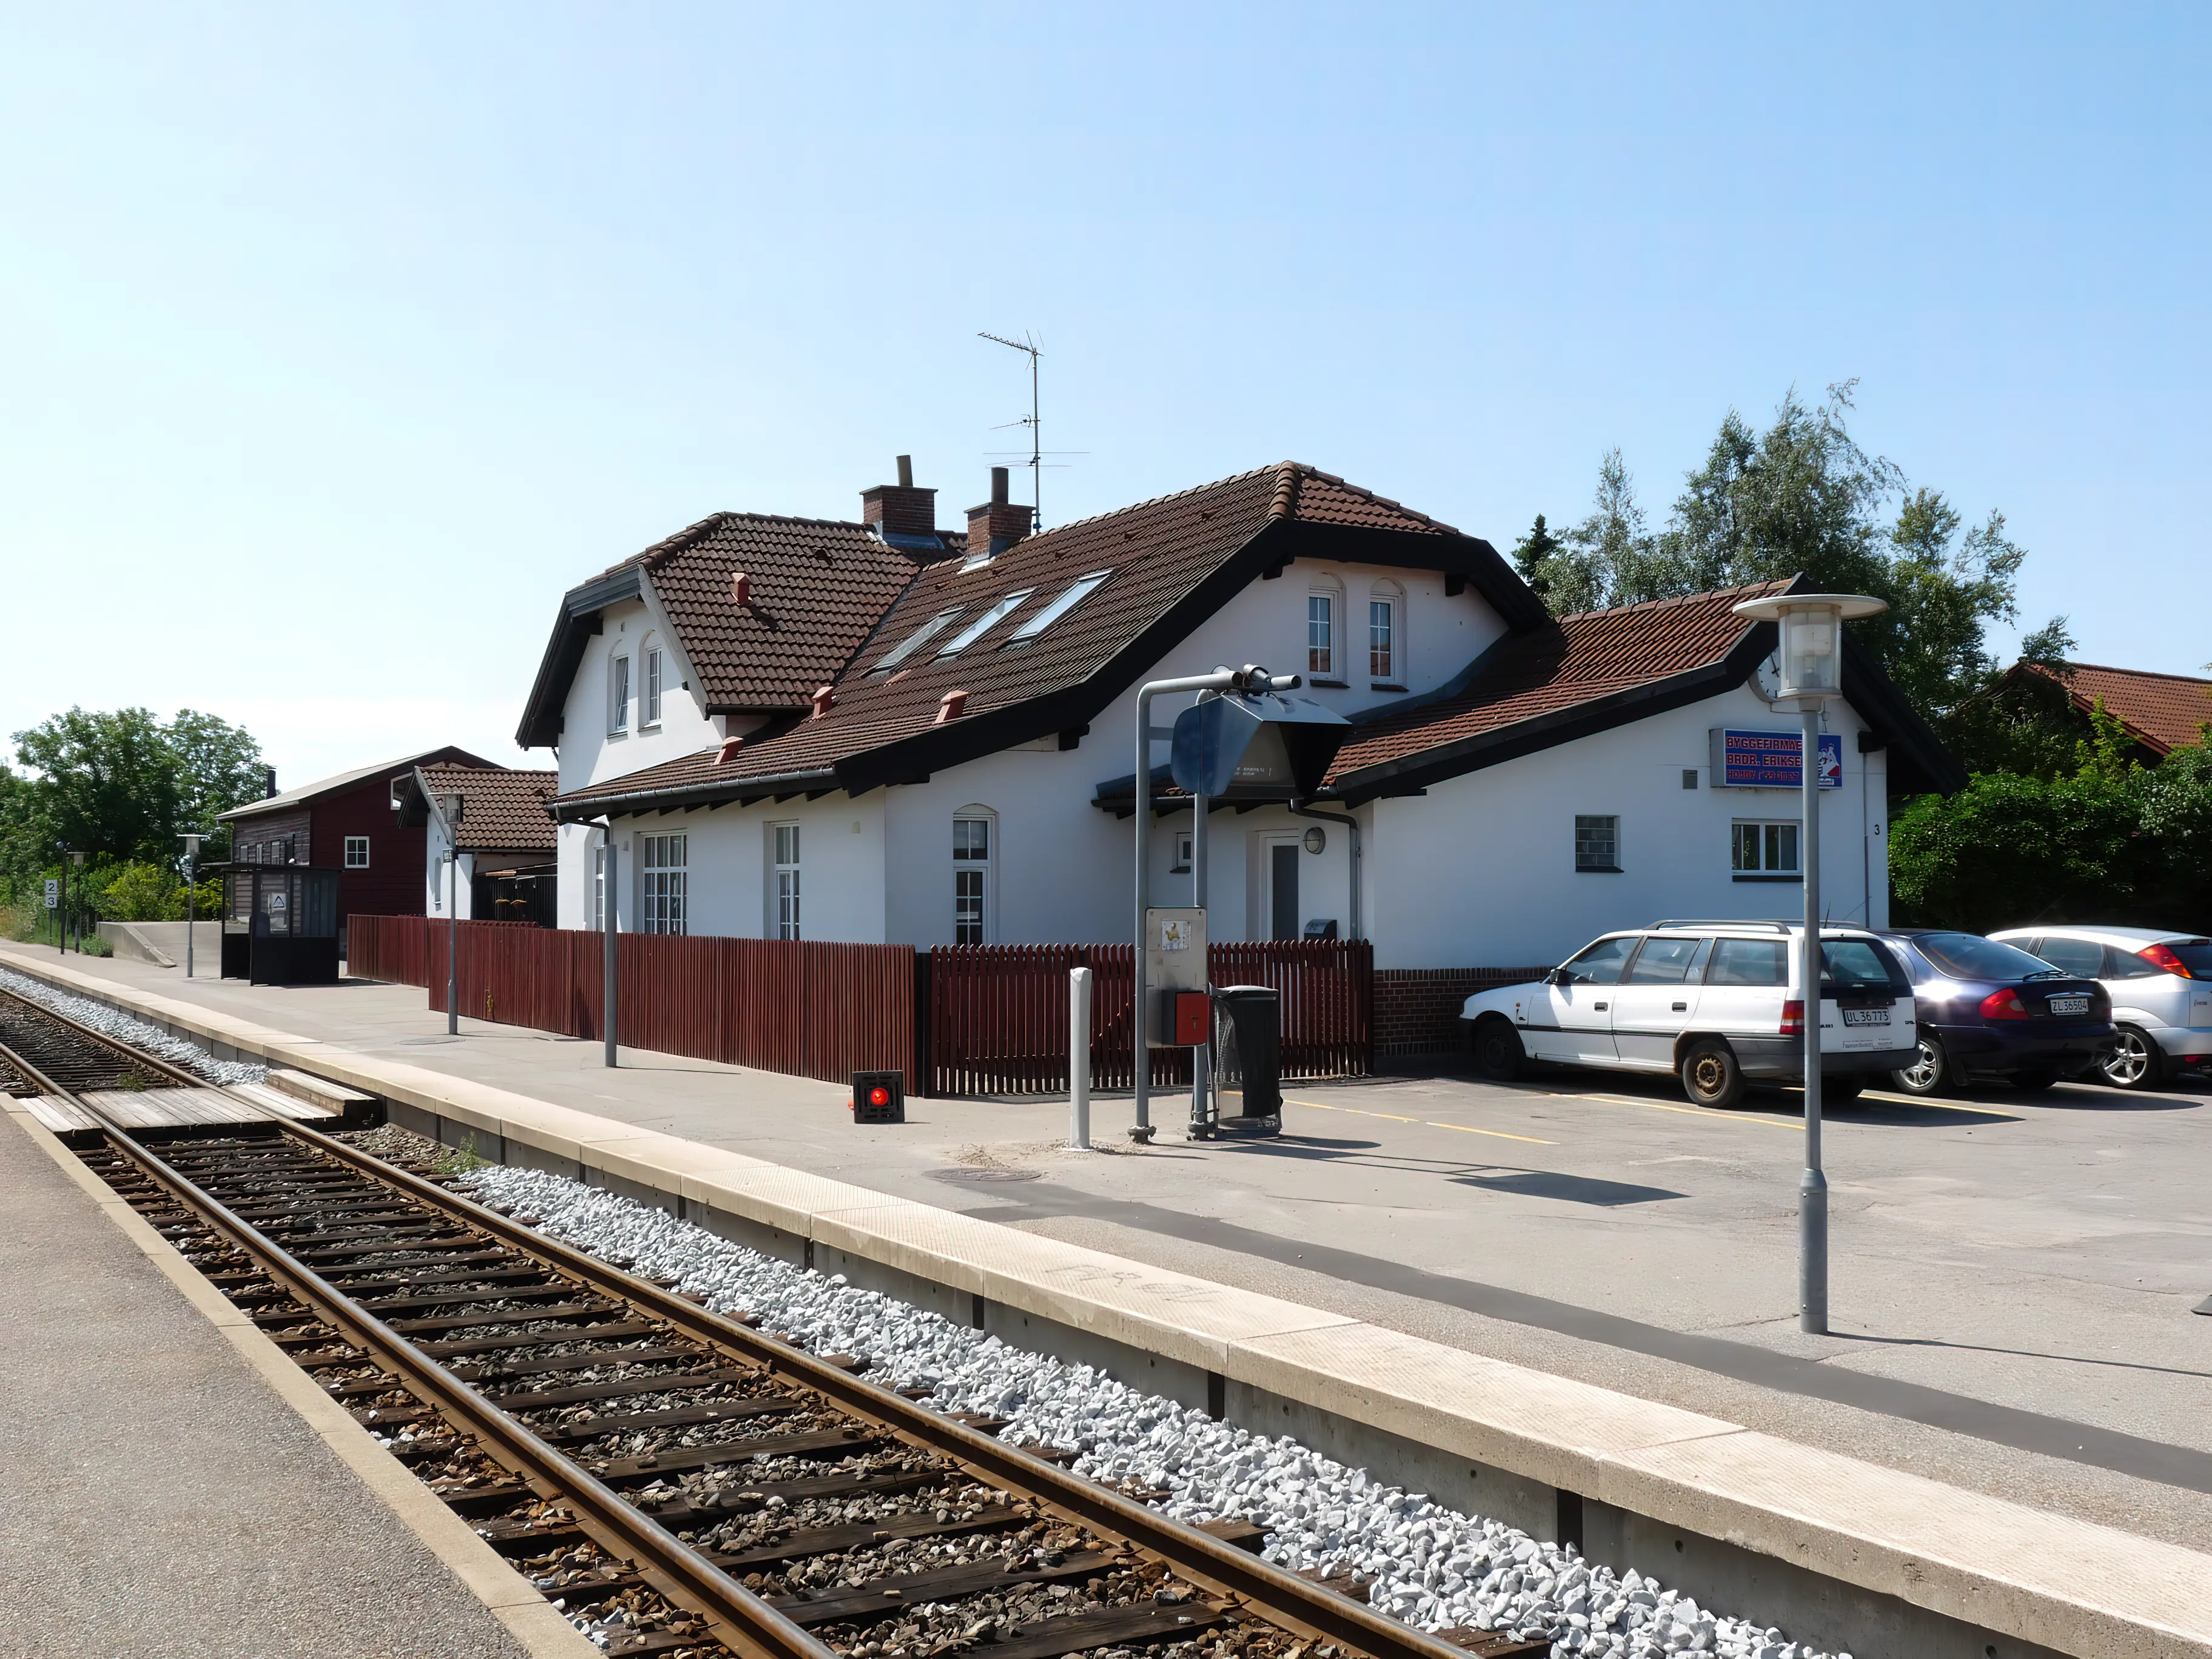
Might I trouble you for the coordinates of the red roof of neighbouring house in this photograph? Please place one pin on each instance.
(2162, 712)
(502, 809)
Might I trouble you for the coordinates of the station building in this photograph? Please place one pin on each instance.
(884, 731)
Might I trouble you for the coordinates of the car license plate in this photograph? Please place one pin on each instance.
(1866, 1016)
(2069, 1004)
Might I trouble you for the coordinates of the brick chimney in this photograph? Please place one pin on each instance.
(900, 509)
(999, 523)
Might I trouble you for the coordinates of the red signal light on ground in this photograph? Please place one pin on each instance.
(879, 1096)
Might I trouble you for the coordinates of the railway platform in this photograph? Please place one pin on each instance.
(162, 1497)
(1597, 1299)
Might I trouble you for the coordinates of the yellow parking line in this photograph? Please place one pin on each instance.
(1687, 1111)
(1468, 1128)
(1465, 1129)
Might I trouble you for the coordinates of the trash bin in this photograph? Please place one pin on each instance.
(1248, 1053)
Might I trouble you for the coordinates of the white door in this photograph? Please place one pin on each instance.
(1655, 1000)
(1573, 1020)
(1277, 910)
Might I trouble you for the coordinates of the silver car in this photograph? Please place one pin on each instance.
(2160, 983)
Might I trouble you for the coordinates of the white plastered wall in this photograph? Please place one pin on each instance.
(1481, 871)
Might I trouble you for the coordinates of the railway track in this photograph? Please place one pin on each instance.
(63, 1052)
(687, 1483)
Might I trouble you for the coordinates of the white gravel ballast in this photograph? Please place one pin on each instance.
(128, 1029)
(1432, 1567)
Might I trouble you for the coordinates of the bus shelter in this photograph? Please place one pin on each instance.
(280, 923)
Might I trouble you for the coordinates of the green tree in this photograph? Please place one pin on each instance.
(1532, 555)
(121, 785)
(1802, 497)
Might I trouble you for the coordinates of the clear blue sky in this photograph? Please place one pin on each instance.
(337, 342)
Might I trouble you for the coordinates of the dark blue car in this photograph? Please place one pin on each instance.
(1986, 1009)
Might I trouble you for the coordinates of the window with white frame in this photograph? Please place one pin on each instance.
(1321, 633)
(664, 882)
(783, 880)
(356, 851)
(619, 696)
(1763, 849)
(1386, 635)
(971, 879)
(650, 713)
(1069, 597)
(599, 888)
(1597, 843)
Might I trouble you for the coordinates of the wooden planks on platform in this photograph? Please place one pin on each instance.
(175, 1108)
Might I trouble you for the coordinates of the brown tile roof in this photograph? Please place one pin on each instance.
(1159, 552)
(502, 809)
(1581, 659)
(2162, 712)
(817, 587)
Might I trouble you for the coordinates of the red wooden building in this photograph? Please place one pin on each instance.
(346, 823)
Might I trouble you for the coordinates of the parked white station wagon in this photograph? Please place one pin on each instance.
(2160, 983)
(1718, 1004)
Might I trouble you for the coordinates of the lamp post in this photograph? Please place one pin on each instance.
(1811, 656)
(77, 859)
(191, 896)
(610, 941)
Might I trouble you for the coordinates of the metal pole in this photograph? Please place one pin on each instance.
(453, 936)
(1142, 1130)
(1201, 1057)
(1078, 1059)
(61, 912)
(1219, 680)
(191, 906)
(1812, 1185)
(610, 942)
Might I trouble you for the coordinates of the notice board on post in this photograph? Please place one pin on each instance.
(1745, 759)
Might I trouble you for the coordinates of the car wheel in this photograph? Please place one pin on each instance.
(2133, 1061)
(1842, 1088)
(2034, 1082)
(1929, 1074)
(1499, 1054)
(1711, 1076)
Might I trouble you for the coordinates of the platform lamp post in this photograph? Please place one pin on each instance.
(191, 897)
(77, 859)
(61, 910)
(1811, 658)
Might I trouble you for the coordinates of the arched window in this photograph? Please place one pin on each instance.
(974, 891)
(1386, 635)
(1324, 629)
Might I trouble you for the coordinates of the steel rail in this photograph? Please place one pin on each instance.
(136, 1056)
(1272, 1592)
(740, 1618)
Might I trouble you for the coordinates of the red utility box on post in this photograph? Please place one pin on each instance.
(1193, 1018)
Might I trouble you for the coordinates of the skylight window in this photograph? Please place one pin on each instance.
(1077, 591)
(921, 636)
(983, 624)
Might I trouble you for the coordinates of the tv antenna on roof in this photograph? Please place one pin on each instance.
(1028, 343)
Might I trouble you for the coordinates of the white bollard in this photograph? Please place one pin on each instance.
(1078, 1059)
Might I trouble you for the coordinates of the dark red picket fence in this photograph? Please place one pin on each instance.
(998, 1014)
(995, 1016)
(802, 1008)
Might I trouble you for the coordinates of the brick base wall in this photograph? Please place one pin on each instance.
(1416, 1009)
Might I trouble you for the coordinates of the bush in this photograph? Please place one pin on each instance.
(140, 892)
(2116, 844)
